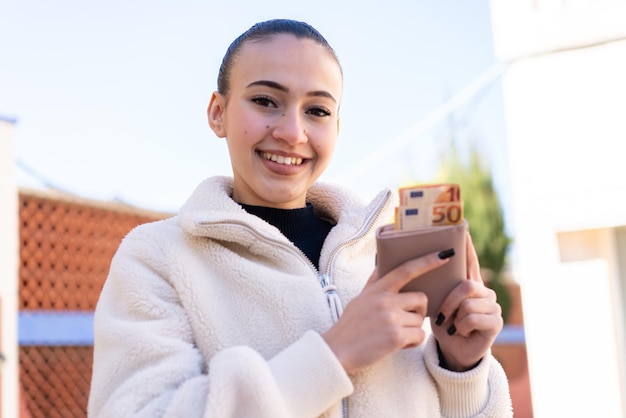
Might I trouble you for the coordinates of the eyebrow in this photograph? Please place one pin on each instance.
(278, 86)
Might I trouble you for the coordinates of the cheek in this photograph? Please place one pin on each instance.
(326, 147)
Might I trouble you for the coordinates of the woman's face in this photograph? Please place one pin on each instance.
(280, 119)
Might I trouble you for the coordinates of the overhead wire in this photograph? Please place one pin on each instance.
(484, 80)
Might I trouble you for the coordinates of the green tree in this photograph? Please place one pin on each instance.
(484, 215)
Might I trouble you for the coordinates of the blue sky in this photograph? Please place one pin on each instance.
(110, 96)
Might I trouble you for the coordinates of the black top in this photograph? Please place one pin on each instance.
(301, 226)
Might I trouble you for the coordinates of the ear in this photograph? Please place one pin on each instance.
(215, 114)
(338, 124)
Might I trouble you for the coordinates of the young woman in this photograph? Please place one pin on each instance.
(235, 307)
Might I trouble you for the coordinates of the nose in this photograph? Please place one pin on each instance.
(290, 128)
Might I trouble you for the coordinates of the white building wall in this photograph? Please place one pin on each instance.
(8, 272)
(565, 110)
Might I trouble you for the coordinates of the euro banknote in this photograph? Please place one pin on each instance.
(429, 205)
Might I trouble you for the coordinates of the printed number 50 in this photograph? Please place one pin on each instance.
(447, 214)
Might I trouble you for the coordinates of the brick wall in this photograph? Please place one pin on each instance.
(66, 245)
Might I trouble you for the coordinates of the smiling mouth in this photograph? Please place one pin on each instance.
(280, 159)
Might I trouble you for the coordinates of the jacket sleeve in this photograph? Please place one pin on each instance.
(147, 365)
(482, 392)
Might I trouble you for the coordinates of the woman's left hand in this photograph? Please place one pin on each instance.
(469, 320)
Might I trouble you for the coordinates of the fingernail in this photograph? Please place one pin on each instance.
(446, 253)
(451, 330)
(440, 318)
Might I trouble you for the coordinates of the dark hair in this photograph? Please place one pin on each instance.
(264, 30)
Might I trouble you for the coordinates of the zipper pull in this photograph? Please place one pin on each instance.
(336, 308)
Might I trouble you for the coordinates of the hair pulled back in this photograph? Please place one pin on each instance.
(262, 31)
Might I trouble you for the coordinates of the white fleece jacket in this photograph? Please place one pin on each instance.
(214, 313)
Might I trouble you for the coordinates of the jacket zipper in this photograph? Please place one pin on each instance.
(326, 279)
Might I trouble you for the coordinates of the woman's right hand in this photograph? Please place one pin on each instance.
(381, 320)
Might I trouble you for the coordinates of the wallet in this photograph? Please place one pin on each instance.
(394, 247)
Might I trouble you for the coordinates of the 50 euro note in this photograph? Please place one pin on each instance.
(429, 205)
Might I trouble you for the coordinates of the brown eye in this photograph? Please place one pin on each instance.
(319, 111)
(264, 101)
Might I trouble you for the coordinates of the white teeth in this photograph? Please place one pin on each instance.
(281, 159)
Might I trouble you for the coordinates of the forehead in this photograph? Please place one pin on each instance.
(287, 58)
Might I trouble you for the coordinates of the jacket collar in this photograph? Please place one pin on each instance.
(211, 208)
